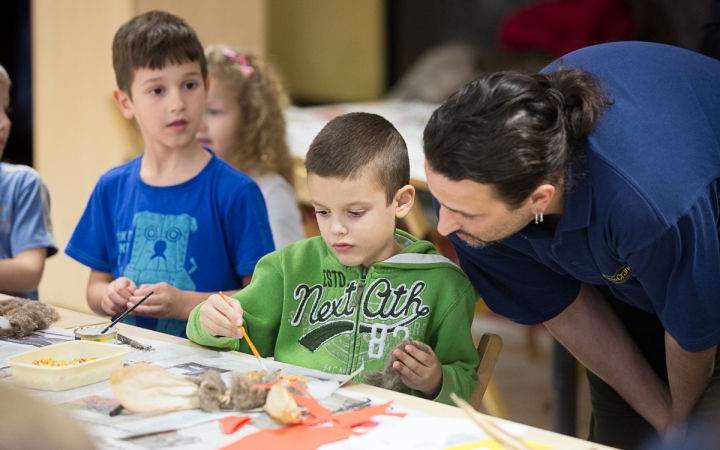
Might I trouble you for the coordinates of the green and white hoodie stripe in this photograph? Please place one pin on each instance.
(304, 307)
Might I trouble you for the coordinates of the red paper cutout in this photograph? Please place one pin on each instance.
(297, 437)
(232, 424)
(355, 417)
(308, 435)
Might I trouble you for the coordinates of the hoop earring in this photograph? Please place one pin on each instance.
(538, 218)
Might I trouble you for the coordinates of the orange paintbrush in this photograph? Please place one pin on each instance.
(252, 346)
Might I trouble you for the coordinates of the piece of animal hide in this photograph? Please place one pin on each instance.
(214, 395)
(389, 378)
(24, 316)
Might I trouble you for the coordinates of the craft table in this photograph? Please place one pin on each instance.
(71, 319)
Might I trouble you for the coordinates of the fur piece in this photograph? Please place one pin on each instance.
(26, 316)
(244, 397)
(389, 378)
(213, 394)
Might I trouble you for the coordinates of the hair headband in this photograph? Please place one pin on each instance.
(245, 68)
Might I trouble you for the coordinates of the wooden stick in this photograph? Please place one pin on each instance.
(252, 346)
(122, 316)
(504, 439)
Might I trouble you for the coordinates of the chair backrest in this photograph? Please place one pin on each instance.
(488, 350)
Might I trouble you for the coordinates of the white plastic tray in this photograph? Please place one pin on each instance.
(47, 378)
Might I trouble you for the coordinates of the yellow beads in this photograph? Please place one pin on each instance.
(51, 362)
(295, 378)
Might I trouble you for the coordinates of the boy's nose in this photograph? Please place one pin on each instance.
(338, 228)
(177, 102)
(446, 222)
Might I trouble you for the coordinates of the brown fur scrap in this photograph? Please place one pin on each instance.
(389, 378)
(26, 316)
(244, 397)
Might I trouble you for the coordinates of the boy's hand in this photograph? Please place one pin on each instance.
(419, 370)
(165, 303)
(221, 318)
(117, 295)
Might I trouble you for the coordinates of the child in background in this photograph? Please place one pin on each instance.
(26, 237)
(177, 220)
(343, 299)
(244, 124)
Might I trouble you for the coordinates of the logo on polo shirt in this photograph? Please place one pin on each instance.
(621, 275)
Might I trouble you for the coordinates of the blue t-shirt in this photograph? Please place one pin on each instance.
(202, 235)
(24, 215)
(641, 211)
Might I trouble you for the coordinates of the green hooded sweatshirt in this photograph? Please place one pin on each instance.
(304, 307)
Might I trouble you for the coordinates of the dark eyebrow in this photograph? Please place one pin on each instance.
(152, 80)
(457, 211)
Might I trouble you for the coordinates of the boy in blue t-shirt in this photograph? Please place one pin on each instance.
(177, 220)
(25, 229)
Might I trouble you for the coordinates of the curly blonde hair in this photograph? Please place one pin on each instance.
(261, 147)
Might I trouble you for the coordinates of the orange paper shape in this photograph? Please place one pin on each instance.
(296, 437)
(308, 435)
(355, 417)
(232, 424)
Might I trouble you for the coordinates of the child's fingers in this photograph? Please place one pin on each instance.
(111, 308)
(125, 286)
(116, 300)
(407, 375)
(217, 324)
(407, 361)
(224, 315)
(230, 308)
(419, 355)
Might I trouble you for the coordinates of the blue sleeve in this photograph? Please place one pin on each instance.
(88, 243)
(680, 271)
(515, 285)
(248, 230)
(31, 225)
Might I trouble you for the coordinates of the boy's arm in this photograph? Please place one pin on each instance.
(262, 303)
(454, 346)
(22, 273)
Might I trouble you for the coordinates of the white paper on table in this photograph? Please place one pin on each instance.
(413, 432)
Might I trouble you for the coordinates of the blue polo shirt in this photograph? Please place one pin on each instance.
(641, 209)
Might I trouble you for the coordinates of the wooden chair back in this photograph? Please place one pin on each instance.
(488, 350)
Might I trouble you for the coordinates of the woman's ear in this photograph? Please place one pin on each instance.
(124, 103)
(404, 200)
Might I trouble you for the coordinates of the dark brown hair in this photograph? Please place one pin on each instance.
(353, 142)
(514, 131)
(152, 40)
(261, 146)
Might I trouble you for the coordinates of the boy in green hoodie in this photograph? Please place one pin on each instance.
(341, 300)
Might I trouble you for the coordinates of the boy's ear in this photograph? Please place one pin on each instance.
(124, 103)
(405, 198)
